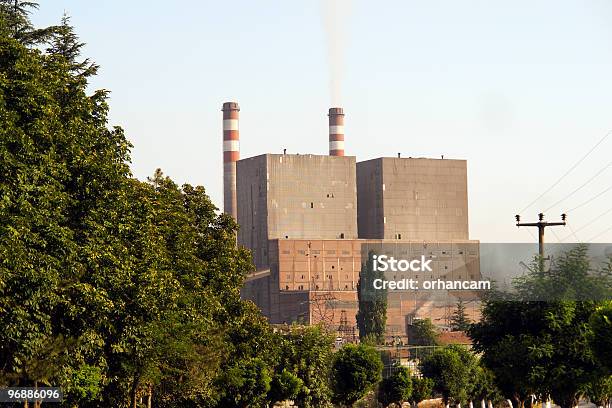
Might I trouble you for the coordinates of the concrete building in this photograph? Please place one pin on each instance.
(406, 198)
(313, 281)
(291, 196)
(311, 221)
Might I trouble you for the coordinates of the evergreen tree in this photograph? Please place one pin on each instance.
(372, 314)
(459, 320)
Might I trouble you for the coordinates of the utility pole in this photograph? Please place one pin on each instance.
(541, 224)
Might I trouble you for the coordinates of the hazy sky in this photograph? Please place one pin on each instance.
(521, 89)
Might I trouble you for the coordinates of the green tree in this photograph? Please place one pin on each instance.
(422, 389)
(599, 391)
(543, 347)
(396, 388)
(422, 332)
(142, 279)
(372, 314)
(15, 22)
(452, 369)
(459, 319)
(285, 386)
(307, 352)
(355, 371)
(601, 335)
(246, 385)
(483, 386)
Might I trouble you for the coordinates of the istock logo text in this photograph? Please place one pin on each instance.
(383, 263)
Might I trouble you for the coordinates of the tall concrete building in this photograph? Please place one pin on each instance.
(292, 196)
(311, 221)
(406, 198)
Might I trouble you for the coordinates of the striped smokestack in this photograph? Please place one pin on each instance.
(231, 154)
(336, 132)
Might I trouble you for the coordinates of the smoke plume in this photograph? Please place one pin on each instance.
(335, 16)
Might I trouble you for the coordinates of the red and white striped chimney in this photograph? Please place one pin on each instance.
(336, 132)
(231, 154)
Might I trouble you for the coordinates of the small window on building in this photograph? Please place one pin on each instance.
(311, 205)
(345, 287)
(302, 276)
(342, 235)
(286, 236)
(333, 266)
(317, 287)
(287, 287)
(399, 236)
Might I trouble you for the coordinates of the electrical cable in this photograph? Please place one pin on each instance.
(600, 234)
(589, 200)
(588, 223)
(567, 172)
(606, 167)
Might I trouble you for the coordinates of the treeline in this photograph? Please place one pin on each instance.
(119, 291)
(552, 337)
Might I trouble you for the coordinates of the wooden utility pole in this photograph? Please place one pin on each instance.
(541, 224)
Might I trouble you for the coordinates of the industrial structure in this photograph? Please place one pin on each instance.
(311, 220)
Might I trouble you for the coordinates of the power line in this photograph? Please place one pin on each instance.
(591, 199)
(606, 167)
(541, 225)
(556, 236)
(589, 223)
(567, 172)
(532, 234)
(574, 234)
(600, 234)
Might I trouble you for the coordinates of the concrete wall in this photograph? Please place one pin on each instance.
(295, 196)
(312, 197)
(370, 211)
(420, 199)
(316, 280)
(252, 197)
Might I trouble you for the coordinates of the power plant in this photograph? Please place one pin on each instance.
(311, 220)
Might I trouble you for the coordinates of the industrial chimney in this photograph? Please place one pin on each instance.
(231, 154)
(336, 132)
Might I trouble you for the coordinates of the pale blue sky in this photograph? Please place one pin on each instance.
(521, 89)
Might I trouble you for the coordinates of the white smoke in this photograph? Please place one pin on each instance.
(335, 20)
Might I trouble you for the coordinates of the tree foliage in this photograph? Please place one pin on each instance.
(459, 320)
(396, 388)
(356, 369)
(422, 389)
(540, 342)
(372, 314)
(452, 370)
(110, 287)
(422, 332)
